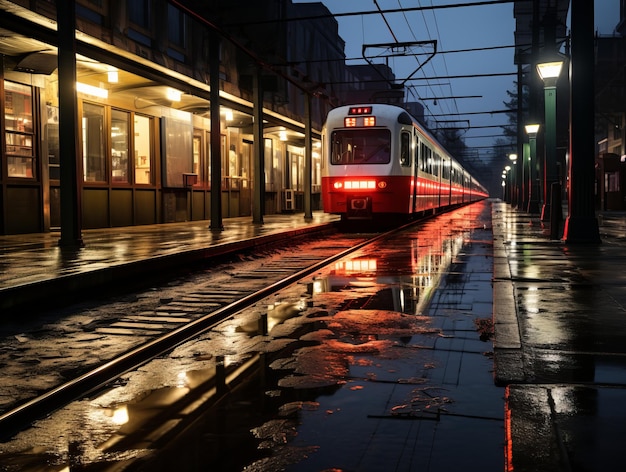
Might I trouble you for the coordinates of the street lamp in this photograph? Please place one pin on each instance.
(506, 175)
(515, 195)
(533, 174)
(549, 73)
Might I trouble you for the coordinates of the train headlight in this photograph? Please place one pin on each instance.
(337, 185)
(382, 184)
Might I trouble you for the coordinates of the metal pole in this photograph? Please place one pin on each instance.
(526, 180)
(308, 158)
(550, 173)
(520, 137)
(581, 225)
(216, 148)
(259, 154)
(533, 176)
(71, 204)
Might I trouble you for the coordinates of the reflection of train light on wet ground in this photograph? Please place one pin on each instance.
(378, 161)
(399, 279)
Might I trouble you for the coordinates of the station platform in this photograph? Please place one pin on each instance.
(34, 269)
(560, 343)
(559, 312)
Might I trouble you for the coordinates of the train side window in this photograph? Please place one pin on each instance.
(405, 149)
(428, 161)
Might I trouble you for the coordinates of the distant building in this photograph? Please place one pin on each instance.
(610, 95)
(374, 84)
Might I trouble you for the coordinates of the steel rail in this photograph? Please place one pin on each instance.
(22, 416)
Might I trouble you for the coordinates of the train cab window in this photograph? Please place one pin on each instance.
(405, 149)
(371, 146)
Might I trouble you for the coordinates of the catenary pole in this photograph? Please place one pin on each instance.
(71, 208)
(581, 225)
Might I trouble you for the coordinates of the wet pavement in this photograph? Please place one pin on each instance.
(33, 268)
(397, 375)
(563, 354)
(378, 365)
(416, 392)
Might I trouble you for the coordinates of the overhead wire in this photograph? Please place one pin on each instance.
(452, 109)
(430, 65)
(371, 12)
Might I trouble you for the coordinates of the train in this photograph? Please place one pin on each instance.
(379, 162)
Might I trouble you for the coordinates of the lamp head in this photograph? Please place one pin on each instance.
(549, 72)
(532, 130)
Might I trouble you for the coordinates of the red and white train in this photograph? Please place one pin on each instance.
(378, 161)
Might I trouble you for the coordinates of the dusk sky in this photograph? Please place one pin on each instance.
(477, 27)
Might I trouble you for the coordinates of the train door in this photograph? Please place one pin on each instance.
(416, 154)
(438, 173)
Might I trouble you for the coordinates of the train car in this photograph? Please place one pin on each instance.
(379, 162)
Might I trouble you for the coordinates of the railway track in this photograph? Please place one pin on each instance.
(184, 311)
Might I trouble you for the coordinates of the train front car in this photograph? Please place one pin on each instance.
(367, 169)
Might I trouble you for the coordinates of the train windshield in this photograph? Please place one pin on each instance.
(371, 146)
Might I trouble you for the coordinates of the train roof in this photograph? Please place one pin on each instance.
(391, 111)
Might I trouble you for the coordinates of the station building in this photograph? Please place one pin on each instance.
(144, 109)
(611, 118)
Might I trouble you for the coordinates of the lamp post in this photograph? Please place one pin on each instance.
(506, 175)
(515, 194)
(533, 173)
(549, 73)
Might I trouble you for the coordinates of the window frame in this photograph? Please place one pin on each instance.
(25, 139)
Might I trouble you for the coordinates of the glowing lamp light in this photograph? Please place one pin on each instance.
(113, 76)
(173, 94)
(549, 70)
(349, 122)
(513, 157)
(91, 90)
(532, 129)
(360, 184)
(282, 135)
